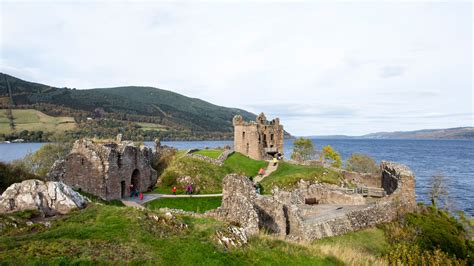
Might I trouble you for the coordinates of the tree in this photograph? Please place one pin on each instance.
(361, 163)
(40, 162)
(331, 156)
(438, 190)
(303, 150)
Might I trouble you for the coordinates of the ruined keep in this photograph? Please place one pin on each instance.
(260, 139)
(106, 169)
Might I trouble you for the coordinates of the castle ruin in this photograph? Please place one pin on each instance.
(106, 169)
(316, 210)
(260, 139)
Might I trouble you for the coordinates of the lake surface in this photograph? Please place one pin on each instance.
(453, 158)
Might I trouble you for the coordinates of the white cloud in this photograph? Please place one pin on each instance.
(325, 68)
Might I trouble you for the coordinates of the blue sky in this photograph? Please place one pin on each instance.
(322, 67)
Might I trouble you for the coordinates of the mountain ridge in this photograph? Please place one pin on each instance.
(456, 133)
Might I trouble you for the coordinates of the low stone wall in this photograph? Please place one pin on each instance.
(219, 161)
(370, 180)
(318, 193)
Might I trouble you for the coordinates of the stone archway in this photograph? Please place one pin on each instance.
(135, 179)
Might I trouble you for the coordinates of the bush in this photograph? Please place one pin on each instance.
(362, 163)
(406, 254)
(12, 174)
(331, 156)
(430, 229)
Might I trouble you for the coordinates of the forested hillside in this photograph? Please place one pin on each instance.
(136, 105)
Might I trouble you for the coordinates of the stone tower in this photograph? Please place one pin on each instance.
(259, 140)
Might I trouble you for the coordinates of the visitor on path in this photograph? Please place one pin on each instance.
(132, 190)
(141, 195)
(275, 161)
(261, 172)
(189, 189)
(174, 190)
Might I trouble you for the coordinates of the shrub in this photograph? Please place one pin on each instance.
(362, 163)
(12, 174)
(331, 156)
(429, 229)
(409, 254)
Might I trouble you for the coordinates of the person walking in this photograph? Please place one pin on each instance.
(261, 172)
(132, 190)
(174, 190)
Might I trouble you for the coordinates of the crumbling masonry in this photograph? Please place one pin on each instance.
(314, 211)
(106, 169)
(259, 140)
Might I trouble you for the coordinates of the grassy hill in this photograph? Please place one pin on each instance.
(207, 177)
(33, 120)
(131, 103)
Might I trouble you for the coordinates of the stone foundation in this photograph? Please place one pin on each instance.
(314, 211)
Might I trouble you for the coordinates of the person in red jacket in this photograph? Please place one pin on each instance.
(174, 190)
(141, 195)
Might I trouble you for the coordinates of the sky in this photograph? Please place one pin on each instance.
(324, 68)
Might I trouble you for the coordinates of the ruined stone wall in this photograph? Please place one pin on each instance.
(398, 182)
(350, 219)
(106, 169)
(370, 180)
(312, 194)
(334, 211)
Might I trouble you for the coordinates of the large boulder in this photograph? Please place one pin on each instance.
(49, 198)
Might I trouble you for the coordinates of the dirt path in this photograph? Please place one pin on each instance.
(270, 169)
(133, 202)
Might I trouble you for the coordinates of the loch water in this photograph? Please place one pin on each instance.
(453, 158)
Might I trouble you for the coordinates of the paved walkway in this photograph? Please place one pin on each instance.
(270, 169)
(153, 196)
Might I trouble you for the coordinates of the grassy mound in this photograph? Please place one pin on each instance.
(208, 177)
(287, 175)
(199, 205)
(210, 153)
(33, 120)
(241, 164)
(103, 234)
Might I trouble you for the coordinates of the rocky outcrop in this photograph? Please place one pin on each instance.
(49, 198)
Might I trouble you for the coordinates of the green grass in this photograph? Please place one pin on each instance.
(207, 177)
(199, 205)
(152, 126)
(371, 240)
(287, 175)
(209, 153)
(241, 164)
(33, 120)
(111, 235)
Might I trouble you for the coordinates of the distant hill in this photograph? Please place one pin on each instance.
(460, 133)
(132, 103)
